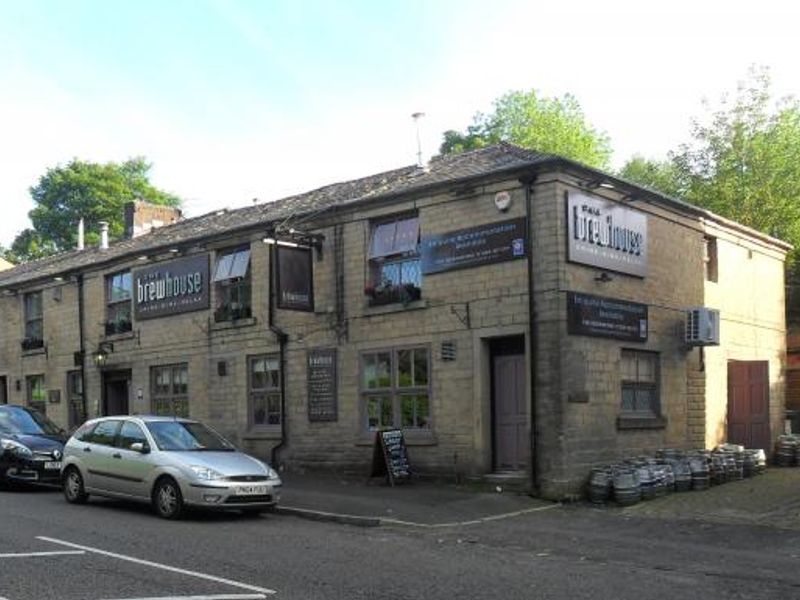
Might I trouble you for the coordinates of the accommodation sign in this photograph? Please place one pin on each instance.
(170, 288)
(607, 235)
(322, 396)
(606, 317)
(474, 247)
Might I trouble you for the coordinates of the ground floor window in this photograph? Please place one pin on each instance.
(264, 391)
(640, 374)
(75, 401)
(395, 389)
(36, 394)
(170, 390)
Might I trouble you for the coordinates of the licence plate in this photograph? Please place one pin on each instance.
(53, 465)
(251, 490)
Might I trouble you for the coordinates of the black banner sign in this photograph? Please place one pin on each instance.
(171, 288)
(322, 398)
(390, 456)
(295, 280)
(606, 317)
(474, 247)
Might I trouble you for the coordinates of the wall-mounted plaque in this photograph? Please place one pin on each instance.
(322, 390)
(171, 287)
(474, 247)
(606, 317)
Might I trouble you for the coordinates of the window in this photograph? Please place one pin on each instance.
(395, 387)
(264, 383)
(170, 390)
(710, 258)
(119, 292)
(232, 281)
(37, 395)
(394, 265)
(130, 433)
(34, 322)
(75, 402)
(104, 433)
(640, 383)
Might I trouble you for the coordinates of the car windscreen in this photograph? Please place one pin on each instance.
(187, 436)
(25, 422)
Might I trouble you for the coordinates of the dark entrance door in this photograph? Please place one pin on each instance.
(3, 390)
(510, 406)
(748, 404)
(116, 392)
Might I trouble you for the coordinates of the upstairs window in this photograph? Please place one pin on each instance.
(710, 259)
(34, 322)
(232, 284)
(119, 294)
(394, 264)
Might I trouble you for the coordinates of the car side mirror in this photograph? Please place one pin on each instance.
(140, 448)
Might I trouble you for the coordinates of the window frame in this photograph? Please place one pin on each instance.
(29, 320)
(395, 392)
(174, 398)
(75, 417)
(225, 289)
(397, 291)
(654, 387)
(710, 259)
(115, 325)
(266, 391)
(40, 405)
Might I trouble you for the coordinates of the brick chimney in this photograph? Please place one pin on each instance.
(141, 217)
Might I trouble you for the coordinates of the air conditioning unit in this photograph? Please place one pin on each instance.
(702, 326)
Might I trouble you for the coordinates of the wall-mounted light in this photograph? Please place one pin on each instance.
(101, 355)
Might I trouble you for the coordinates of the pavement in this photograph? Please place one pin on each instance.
(417, 503)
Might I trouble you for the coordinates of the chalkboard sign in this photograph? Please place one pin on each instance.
(322, 384)
(390, 456)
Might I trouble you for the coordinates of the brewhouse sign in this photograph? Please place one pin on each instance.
(606, 317)
(604, 234)
(171, 288)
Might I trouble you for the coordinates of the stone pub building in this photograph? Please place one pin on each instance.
(511, 312)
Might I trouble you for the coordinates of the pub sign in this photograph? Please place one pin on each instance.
(295, 285)
(170, 288)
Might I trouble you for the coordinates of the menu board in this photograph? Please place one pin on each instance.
(390, 456)
(322, 392)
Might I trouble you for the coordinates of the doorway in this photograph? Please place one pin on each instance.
(116, 392)
(510, 440)
(748, 404)
(3, 390)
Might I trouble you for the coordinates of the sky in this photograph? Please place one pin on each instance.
(232, 100)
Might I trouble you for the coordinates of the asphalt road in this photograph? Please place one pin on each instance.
(117, 551)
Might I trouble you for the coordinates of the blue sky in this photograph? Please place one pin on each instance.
(232, 100)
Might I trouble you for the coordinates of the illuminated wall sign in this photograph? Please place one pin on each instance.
(607, 235)
(170, 288)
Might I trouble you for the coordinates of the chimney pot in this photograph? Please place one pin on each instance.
(80, 235)
(103, 235)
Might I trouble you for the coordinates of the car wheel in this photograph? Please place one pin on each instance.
(73, 487)
(167, 499)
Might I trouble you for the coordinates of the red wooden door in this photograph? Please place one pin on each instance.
(748, 404)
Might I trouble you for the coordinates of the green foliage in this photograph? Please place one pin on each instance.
(92, 191)
(659, 175)
(548, 125)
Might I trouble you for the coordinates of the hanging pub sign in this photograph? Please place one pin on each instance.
(474, 247)
(295, 283)
(606, 317)
(170, 288)
(322, 398)
(607, 235)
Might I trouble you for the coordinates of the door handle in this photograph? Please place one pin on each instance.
(87, 449)
(117, 455)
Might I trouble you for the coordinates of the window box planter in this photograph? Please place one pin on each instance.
(32, 343)
(227, 312)
(391, 294)
(117, 327)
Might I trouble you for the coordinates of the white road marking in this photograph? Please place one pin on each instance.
(32, 554)
(212, 597)
(516, 513)
(156, 565)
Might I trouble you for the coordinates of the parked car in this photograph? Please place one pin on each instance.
(31, 446)
(170, 462)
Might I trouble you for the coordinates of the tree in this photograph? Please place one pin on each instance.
(659, 175)
(92, 191)
(548, 125)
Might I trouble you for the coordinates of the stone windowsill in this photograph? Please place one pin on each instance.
(224, 325)
(259, 434)
(384, 309)
(412, 438)
(118, 337)
(633, 422)
(35, 351)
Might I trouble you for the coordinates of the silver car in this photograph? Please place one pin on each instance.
(167, 461)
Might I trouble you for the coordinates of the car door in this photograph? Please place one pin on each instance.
(133, 468)
(98, 464)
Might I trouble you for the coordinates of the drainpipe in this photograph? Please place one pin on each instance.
(283, 338)
(82, 343)
(533, 329)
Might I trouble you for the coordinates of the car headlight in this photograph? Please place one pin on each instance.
(272, 473)
(206, 473)
(15, 448)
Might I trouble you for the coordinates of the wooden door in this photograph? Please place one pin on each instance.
(510, 412)
(748, 404)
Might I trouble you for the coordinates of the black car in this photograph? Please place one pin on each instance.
(31, 446)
